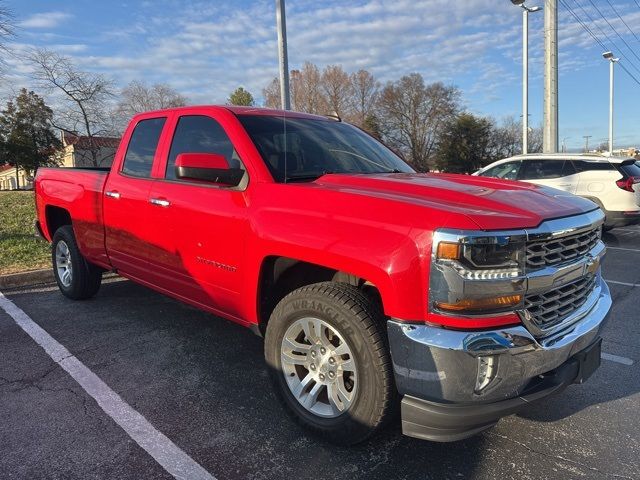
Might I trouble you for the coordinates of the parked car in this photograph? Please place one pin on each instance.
(458, 299)
(610, 182)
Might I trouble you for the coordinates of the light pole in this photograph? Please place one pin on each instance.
(612, 61)
(282, 55)
(525, 71)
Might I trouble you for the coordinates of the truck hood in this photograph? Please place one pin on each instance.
(490, 203)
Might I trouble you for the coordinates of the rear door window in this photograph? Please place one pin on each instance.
(544, 169)
(142, 147)
(593, 166)
(507, 171)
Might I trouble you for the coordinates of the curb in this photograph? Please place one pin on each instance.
(24, 279)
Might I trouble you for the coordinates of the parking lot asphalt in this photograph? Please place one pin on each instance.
(202, 382)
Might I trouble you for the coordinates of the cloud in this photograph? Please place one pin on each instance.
(45, 20)
(206, 49)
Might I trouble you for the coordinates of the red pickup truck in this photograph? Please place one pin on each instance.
(456, 299)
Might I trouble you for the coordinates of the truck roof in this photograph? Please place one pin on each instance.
(238, 110)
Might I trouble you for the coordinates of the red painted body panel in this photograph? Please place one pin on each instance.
(80, 193)
(208, 247)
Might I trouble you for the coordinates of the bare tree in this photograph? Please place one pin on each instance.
(414, 115)
(87, 98)
(271, 94)
(6, 31)
(536, 136)
(337, 91)
(306, 90)
(138, 97)
(365, 90)
(506, 139)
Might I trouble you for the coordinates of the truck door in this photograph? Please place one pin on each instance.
(128, 232)
(202, 225)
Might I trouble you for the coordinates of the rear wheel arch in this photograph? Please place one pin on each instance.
(56, 217)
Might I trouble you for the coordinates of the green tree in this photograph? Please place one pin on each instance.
(465, 144)
(27, 139)
(372, 125)
(241, 97)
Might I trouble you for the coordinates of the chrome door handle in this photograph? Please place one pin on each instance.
(112, 194)
(160, 202)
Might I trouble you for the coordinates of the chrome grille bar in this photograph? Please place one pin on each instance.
(543, 253)
(551, 308)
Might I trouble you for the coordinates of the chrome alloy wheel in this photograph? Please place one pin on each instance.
(319, 367)
(63, 263)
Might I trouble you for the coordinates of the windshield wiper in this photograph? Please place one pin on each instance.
(305, 176)
(394, 170)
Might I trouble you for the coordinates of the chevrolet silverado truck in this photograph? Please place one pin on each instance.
(456, 300)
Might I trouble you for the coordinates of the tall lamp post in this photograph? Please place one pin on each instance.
(525, 70)
(612, 61)
(285, 98)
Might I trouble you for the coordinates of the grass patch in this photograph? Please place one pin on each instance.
(19, 249)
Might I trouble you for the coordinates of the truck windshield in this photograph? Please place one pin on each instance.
(303, 149)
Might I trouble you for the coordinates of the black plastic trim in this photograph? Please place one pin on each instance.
(226, 176)
(452, 422)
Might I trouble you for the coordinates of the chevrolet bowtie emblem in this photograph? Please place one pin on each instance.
(591, 267)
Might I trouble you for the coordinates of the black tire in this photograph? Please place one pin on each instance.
(85, 278)
(358, 320)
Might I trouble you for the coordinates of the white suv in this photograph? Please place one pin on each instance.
(611, 182)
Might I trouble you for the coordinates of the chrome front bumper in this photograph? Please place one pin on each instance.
(451, 366)
(456, 384)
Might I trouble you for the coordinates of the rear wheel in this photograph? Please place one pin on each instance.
(76, 278)
(330, 364)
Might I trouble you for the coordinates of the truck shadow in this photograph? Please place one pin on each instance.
(203, 382)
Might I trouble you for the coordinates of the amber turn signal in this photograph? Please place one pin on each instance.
(481, 303)
(448, 251)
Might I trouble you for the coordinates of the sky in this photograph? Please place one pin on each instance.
(205, 49)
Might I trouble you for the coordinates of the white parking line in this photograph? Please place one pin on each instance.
(623, 283)
(616, 358)
(624, 249)
(174, 460)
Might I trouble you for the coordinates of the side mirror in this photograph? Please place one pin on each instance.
(207, 167)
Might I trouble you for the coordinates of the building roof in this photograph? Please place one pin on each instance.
(4, 168)
(86, 143)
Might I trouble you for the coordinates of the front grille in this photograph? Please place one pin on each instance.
(544, 253)
(552, 308)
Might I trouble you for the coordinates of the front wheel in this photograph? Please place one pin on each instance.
(76, 278)
(326, 348)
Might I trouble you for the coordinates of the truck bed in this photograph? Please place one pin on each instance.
(78, 191)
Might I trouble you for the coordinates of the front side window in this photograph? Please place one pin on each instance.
(542, 169)
(306, 148)
(200, 134)
(142, 147)
(506, 171)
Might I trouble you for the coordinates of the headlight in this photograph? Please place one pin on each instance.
(476, 272)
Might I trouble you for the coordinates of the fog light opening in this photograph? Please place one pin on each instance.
(487, 369)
